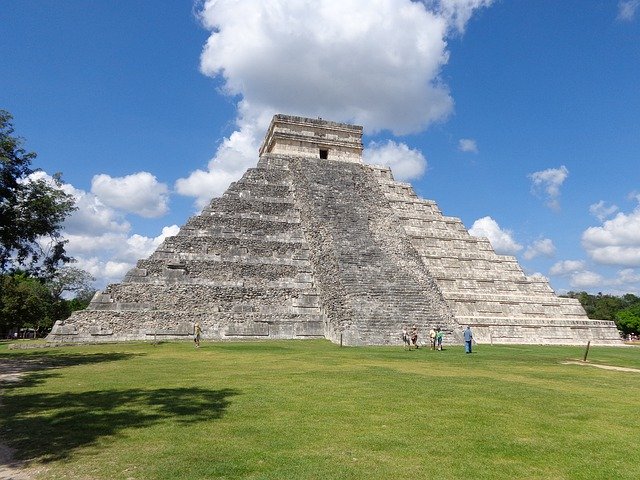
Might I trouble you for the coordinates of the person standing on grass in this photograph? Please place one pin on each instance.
(197, 331)
(414, 335)
(439, 337)
(468, 338)
(405, 337)
(432, 338)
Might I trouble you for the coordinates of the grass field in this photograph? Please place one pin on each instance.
(313, 410)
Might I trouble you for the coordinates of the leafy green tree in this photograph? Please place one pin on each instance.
(623, 310)
(81, 300)
(30, 302)
(32, 210)
(67, 281)
(25, 303)
(628, 320)
(607, 306)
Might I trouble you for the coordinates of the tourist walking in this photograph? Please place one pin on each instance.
(468, 339)
(197, 331)
(414, 335)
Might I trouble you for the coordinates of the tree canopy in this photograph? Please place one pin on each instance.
(32, 210)
(33, 207)
(624, 310)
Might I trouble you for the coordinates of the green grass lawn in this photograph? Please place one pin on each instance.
(313, 410)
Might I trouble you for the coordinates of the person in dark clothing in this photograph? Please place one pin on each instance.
(468, 339)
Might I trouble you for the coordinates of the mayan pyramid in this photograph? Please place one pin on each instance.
(313, 243)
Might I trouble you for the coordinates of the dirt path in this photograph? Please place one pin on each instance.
(605, 367)
(10, 469)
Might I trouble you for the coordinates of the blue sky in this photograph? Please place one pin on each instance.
(521, 118)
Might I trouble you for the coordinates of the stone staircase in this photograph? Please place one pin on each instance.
(241, 268)
(370, 278)
(313, 243)
(490, 292)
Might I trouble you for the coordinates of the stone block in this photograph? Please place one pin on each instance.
(247, 329)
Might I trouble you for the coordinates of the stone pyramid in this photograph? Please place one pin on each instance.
(313, 243)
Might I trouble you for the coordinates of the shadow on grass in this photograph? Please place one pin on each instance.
(33, 368)
(50, 426)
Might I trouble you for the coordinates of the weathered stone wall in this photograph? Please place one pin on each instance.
(303, 246)
(490, 292)
(370, 278)
(305, 137)
(241, 268)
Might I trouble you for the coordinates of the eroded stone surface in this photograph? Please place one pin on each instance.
(314, 243)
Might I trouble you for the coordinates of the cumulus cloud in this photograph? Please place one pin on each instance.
(108, 256)
(406, 163)
(566, 267)
(467, 145)
(542, 247)
(578, 275)
(616, 242)
(627, 10)
(459, 12)
(376, 63)
(235, 154)
(91, 216)
(581, 277)
(586, 279)
(100, 239)
(622, 282)
(601, 211)
(139, 193)
(549, 181)
(501, 240)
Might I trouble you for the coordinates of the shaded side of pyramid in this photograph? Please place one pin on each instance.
(312, 243)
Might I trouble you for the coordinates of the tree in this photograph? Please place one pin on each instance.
(25, 303)
(623, 310)
(30, 302)
(628, 320)
(32, 210)
(70, 279)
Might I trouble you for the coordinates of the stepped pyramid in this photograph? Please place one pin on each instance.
(314, 243)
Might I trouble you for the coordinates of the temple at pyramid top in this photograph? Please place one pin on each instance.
(314, 138)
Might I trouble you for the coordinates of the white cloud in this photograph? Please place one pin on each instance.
(109, 256)
(458, 12)
(467, 145)
(234, 156)
(139, 193)
(501, 240)
(580, 277)
(550, 180)
(542, 247)
(100, 239)
(586, 279)
(616, 242)
(601, 211)
(567, 267)
(406, 163)
(91, 216)
(376, 63)
(627, 276)
(627, 10)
